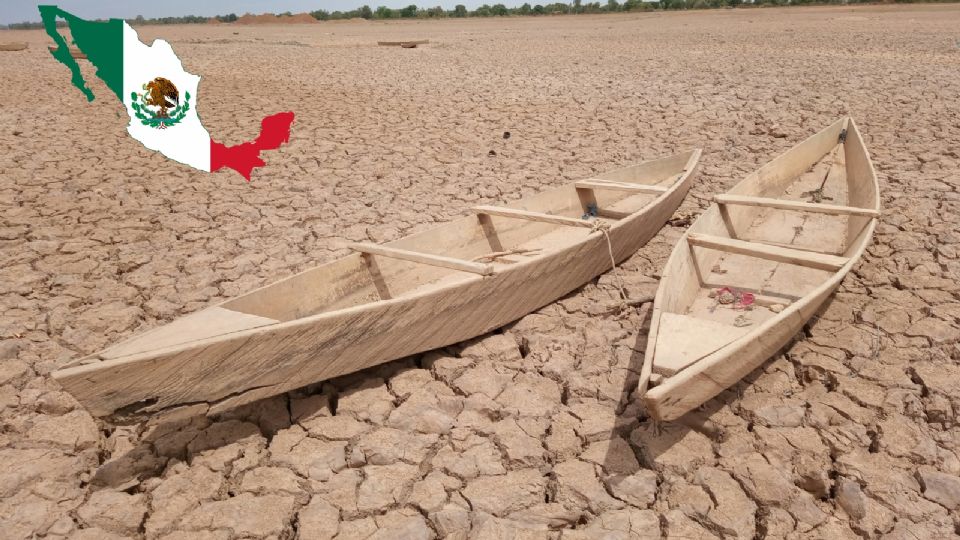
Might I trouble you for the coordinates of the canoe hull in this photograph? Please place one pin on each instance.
(722, 369)
(210, 377)
(693, 385)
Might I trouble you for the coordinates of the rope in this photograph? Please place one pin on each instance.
(604, 228)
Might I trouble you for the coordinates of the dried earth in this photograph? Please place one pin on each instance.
(533, 431)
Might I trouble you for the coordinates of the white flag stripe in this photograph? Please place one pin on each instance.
(187, 141)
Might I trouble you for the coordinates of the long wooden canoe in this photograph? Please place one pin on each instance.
(756, 266)
(384, 302)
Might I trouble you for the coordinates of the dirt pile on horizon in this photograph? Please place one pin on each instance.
(270, 18)
(533, 431)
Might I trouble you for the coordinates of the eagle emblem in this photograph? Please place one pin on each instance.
(159, 106)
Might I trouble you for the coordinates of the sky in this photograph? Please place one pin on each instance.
(13, 11)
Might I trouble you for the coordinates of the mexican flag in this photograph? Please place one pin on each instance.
(158, 94)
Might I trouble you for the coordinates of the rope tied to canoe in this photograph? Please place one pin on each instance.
(604, 228)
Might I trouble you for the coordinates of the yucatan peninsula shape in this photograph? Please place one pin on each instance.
(128, 65)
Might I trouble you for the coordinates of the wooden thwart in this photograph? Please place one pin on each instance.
(807, 259)
(424, 258)
(799, 206)
(533, 216)
(600, 183)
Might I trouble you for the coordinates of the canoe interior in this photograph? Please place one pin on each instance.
(818, 170)
(360, 279)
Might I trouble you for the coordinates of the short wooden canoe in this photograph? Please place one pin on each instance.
(14, 46)
(384, 302)
(756, 266)
(405, 44)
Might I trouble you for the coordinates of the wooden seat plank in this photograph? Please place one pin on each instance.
(808, 259)
(611, 185)
(799, 206)
(533, 216)
(685, 339)
(424, 258)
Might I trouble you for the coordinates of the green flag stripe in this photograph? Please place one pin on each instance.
(101, 41)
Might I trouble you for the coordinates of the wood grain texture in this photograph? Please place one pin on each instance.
(533, 216)
(596, 183)
(764, 251)
(799, 206)
(332, 323)
(208, 323)
(688, 266)
(684, 340)
(424, 258)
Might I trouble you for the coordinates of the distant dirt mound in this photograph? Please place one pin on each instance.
(270, 18)
(299, 18)
(214, 20)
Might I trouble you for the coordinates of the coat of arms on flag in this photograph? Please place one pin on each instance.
(159, 105)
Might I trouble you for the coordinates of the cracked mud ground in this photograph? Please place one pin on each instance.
(533, 431)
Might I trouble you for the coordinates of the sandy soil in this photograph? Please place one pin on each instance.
(532, 432)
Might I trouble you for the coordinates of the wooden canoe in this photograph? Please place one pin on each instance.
(74, 52)
(14, 46)
(784, 237)
(383, 302)
(405, 44)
